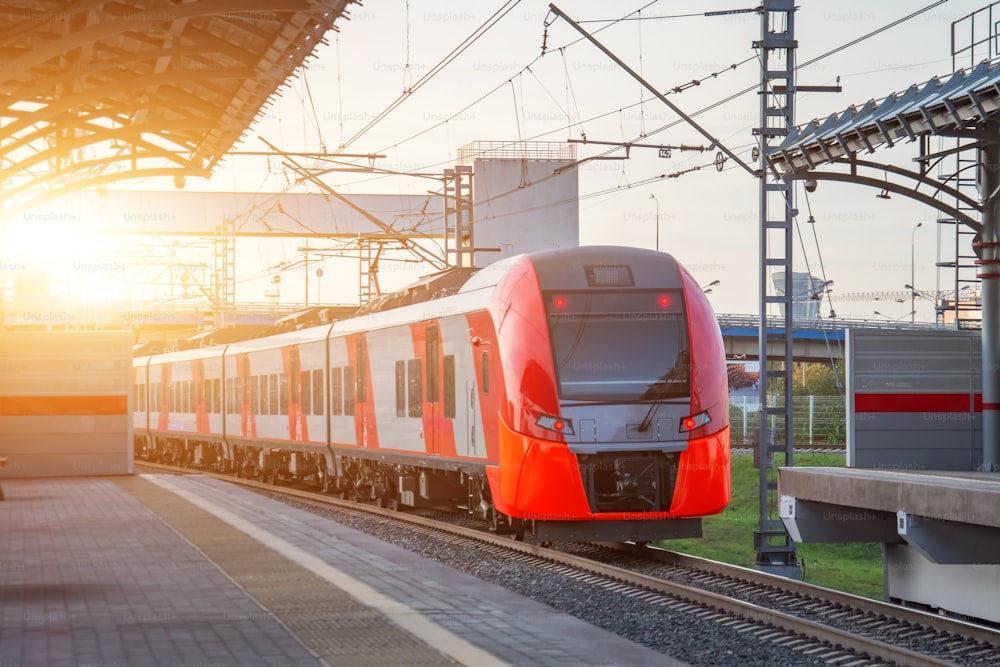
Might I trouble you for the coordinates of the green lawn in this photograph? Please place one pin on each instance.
(728, 537)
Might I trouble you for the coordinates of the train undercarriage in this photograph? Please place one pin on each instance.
(382, 482)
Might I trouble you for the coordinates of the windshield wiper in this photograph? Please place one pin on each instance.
(658, 390)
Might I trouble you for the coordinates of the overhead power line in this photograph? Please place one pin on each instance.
(457, 51)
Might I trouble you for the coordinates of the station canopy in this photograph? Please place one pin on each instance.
(100, 91)
(942, 107)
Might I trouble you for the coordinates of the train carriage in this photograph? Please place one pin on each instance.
(581, 391)
(181, 399)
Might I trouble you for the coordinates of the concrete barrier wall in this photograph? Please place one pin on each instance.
(914, 400)
(65, 403)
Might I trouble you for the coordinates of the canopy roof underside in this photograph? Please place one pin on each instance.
(95, 91)
(965, 99)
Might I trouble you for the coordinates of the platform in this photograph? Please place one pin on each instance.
(941, 530)
(170, 570)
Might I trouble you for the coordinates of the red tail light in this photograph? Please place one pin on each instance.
(557, 424)
(692, 422)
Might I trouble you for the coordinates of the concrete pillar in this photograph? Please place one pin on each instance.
(987, 247)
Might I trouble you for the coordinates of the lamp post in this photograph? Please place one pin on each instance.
(653, 197)
(913, 290)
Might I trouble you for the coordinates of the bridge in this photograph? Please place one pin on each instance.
(812, 339)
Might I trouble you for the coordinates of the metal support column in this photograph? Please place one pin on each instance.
(458, 201)
(369, 252)
(224, 274)
(775, 549)
(973, 39)
(987, 247)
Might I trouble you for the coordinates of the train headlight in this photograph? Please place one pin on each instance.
(694, 421)
(557, 424)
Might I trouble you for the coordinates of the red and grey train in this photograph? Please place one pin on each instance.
(580, 391)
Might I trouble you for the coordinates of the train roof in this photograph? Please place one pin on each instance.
(450, 292)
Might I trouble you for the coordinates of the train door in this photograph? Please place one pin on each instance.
(296, 426)
(441, 396)
(432, 399)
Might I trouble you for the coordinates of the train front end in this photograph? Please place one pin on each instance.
(616, 425)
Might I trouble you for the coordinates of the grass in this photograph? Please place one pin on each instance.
(728, 537)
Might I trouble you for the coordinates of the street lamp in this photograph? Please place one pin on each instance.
(707, 289)
(653, 197)
(913, 290)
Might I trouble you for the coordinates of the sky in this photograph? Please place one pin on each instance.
(502, 88)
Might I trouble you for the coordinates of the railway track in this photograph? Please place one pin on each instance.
(820, 624)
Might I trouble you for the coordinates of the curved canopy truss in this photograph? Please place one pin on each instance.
(96, 91)
(956, 107)
(944, 108)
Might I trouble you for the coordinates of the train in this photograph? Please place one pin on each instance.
(579, 393)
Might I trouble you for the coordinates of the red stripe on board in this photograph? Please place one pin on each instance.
(916, 403)
(36, 406)
(991, 406)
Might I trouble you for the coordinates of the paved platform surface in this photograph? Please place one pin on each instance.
(189, 571)
(967, 497)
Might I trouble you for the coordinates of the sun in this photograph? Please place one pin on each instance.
(45, 257)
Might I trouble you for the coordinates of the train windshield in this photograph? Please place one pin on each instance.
(620, 346)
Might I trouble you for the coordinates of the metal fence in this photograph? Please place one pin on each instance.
(815, 420)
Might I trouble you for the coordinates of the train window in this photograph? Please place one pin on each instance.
(337, 391)
(362, 365)
(622, 346)
(237, 395)
(262, 380)
(255, 394)
(400, 388)
(486, 373)
(448, 370)
(348, 390)
(175, 393)
(206, 395)
(319, 399)
(217, 394)
(414, 389)
(273, 400)
(283, 393)
(188, 398)
(431, 355)
(142, 397)
(305, 391)
(229, 396)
